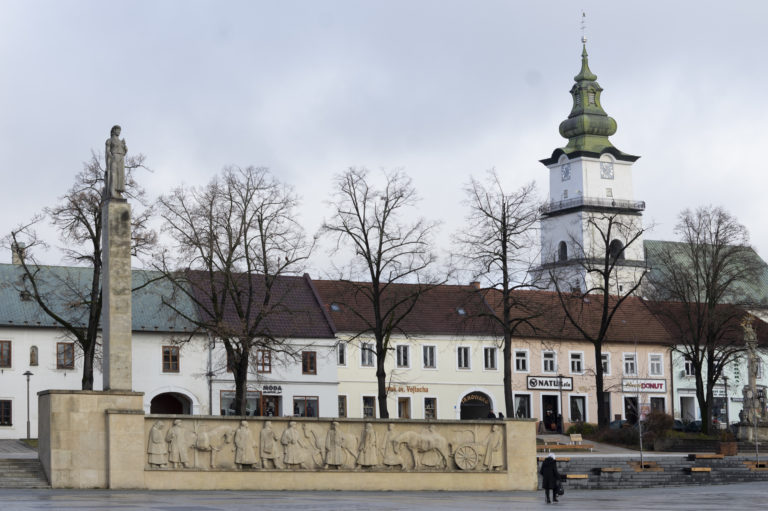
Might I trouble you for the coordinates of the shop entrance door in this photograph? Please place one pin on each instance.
(549, 409)
(270, 406)
(404, 407)
(630, 410)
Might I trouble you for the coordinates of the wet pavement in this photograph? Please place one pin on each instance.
(701, 498)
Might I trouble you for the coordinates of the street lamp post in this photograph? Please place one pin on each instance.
(28, 374)
(727, 415)
(560, 384)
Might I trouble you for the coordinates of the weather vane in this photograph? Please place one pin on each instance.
(583, 27)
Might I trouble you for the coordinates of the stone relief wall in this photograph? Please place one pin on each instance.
(312, 445)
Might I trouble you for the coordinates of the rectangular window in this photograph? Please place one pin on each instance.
(630, 366)
(5, 353)
(523, 406)
(404, 407)
(65, 355)
(689, 369)
(577, 363)
(490, 358)
(605, 359)
(366, 354)
(5, 413)
(403, 355)
(263, 361)
(342, 406)
(463, 357)
(369, 407)
(227, 403)
(305, 406)
(170, 359)
(550, 362)
(657, 404)
(430, 408)
(655, 364)
(341, 354)
(308, 365)
(428, 353)
(521, 361)
(609, 192)
(578, 408)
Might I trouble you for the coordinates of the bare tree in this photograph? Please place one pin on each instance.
(71, 297)
(388, 248)
(234, 240)
(498, 247)
(594, 283)
(702, 277)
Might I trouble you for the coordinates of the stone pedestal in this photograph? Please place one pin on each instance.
(746, 432)
(116, 294)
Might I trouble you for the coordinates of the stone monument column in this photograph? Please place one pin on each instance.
(116, 315)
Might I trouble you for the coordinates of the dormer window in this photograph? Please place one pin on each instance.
(461, 311)
(335, 307)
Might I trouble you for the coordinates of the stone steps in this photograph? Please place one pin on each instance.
(22, 473)
(668, 471)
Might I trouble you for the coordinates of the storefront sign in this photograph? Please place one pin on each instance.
(407, 388)
(271, 389)
(634, 386)
(549, 383)
(475, 397)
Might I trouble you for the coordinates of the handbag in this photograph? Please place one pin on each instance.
(560, 490)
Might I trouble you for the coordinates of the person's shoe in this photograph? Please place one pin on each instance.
(549, 501)
(555, 500)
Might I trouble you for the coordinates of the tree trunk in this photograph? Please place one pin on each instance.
(509, 400)
(88, 353)
(240, 371)
(602, 417)
(381, 379)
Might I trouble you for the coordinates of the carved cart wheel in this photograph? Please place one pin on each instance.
(465, 457)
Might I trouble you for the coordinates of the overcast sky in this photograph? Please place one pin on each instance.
(444, 89)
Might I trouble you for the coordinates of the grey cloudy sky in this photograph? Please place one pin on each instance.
(445, 89)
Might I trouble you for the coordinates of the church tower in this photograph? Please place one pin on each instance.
(592, 213)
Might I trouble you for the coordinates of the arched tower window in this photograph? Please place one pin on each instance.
(33, 356)
(616, 249)
(562, 251)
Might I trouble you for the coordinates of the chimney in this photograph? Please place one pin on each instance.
(475, 284)
(18, 251)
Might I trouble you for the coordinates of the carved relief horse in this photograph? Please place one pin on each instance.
(427, 448)
(214, 440)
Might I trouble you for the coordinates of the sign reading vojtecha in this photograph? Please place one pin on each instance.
(549, 383)
(635, 385)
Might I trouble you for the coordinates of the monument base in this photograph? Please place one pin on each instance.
(746, 432)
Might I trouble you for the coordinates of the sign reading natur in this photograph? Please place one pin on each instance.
(634, 385)
(549, 383)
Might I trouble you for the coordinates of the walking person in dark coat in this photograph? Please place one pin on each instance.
(550, 477)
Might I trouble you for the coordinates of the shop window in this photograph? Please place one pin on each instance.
(309, 364)
(578, 408)
(305, 406)
(657, 404)
(170, 359)
(430, 408)
(5, 353)
(403, 355)
(489, 358)
(65, 355)
(342, 406)
(404, 407)
(523, 406)
(462, 353)
(6, 417)
(428, 353)
(263, 361)
(366, 354)
(369, 407)
(227, 403)
(521, 361)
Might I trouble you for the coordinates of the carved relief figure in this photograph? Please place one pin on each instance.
(157, 447)
(291, 441)
(334, 448)
(177, 445)
(268, 446)
(427, 448)
(114, 153)
(494, 459)
(244, 453)
(214, 441)
(391, 458)
(368, 456)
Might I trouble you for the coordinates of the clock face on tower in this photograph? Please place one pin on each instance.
(606, 170)
(565, 172)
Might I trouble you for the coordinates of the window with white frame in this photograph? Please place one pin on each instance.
(403, 355)
(366, 354)
(430, 408)
(341, 354)
(655, 364)
(369, 406)
(605, 359)
(577, 363)
(689, 369)
(462, 357)
(428, 357)
(489, 356)
(521, 361)
(549, 362)
(630, 364)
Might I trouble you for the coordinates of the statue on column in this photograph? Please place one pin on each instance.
(114, 153)
(751, 401)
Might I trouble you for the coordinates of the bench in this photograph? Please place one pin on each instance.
(693, 470)
(577, 476)
(704, 456)
(648, 466)
(564, 447)
(576, 438)
(559, 460)
(757, 467)
(610, 469)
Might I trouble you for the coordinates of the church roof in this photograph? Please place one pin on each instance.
(588, 126)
